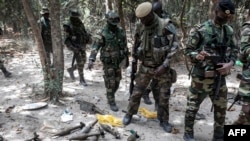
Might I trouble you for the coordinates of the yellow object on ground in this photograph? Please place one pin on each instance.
(109, 119)
(146, 113)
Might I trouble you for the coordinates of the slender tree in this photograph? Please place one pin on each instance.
(53, 76)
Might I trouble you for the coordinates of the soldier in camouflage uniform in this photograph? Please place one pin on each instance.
(44, 23)
(158, 44)
(212, 38)
(112, 42)
(157, 8)
(244, 88)
(5, 72)
(76, 40)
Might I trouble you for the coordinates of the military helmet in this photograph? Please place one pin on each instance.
(74, 13)
(45, 10)
(112, 18)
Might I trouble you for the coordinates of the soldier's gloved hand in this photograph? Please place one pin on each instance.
(90, 65)
(160, 70)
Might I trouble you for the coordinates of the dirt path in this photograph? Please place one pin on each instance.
(27, 82)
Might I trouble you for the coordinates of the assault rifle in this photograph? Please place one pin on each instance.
(217, 79)
(134, 63)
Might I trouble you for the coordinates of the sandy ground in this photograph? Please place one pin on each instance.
(26, 86)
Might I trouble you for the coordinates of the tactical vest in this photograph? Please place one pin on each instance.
(245, 33)
(159, 46)
(78, 34)
(114, 50)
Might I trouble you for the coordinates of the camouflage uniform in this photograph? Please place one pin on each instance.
(113, 45)
(5, 72)
(76, 40)
(145, 96)
(208, 37)
(244, 88)
(152, 56)
(44, 23)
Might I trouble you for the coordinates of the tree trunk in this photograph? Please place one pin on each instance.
(36, 32)
(52, 79)
(121, 15)
(58, 59)
(108, 5)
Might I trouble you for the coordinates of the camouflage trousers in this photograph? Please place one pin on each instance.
(48, 51)
(112, 77)
(80, 61)
(198, 91)
(162, 89)
(244, 116)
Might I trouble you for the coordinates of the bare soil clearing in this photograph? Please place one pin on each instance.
(26, 84)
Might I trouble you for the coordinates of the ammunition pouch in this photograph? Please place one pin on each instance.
(173, 75)
(161, 48)
(110, 58)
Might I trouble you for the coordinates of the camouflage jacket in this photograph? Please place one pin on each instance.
(157, 46)
(244, 56)
(245, 43)
(76, 36)
(45, 31)
(216, 40)
(113, 46)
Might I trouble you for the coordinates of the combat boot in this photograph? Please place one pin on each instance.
(71, 73)
(127, 119)
(146, 98)
(188, 137)
(82, 81)
(6, 73)
(113, 106)
(166, 126)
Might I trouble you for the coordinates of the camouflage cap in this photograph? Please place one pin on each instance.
(44, 10)
(74, 13)
(226, 6)
(143, 9)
